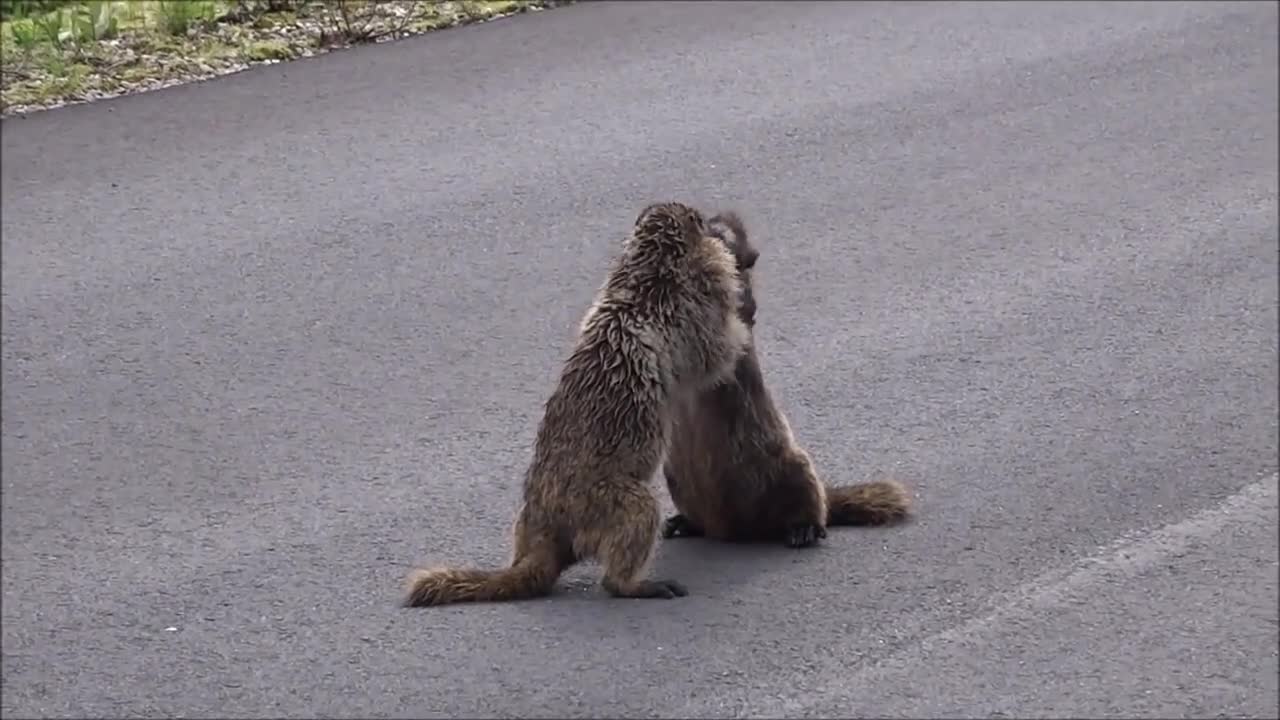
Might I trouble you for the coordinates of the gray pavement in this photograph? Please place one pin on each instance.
(270, 341)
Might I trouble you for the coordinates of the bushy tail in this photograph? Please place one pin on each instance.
(871, 503)
(527, 578)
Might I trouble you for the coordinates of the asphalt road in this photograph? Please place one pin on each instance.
(270, 341)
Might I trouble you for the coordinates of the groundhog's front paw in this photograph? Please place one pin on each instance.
(679, 526)
(805, 535)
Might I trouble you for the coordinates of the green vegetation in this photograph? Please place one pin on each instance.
(57, 51)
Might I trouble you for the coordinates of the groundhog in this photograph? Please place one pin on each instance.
(734, 470)
(664, 325)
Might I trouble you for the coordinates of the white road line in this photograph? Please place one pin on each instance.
(1126, 558)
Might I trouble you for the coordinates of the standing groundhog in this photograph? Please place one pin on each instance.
(734, 469)
(664, 325)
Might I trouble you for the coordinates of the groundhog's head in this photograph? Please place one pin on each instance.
(670, 224)
(728, 228)
(674, 229)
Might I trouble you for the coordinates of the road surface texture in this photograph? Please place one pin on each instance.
(271, 341)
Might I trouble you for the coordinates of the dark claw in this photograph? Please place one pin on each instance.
(678, 526)
(801, 536)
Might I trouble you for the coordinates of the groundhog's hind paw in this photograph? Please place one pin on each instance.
(648, 589)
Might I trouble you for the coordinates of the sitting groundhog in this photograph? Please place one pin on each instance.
(734, 470)
(664, 326)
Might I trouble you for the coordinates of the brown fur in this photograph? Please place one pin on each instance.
(664, 325)
(734, 470)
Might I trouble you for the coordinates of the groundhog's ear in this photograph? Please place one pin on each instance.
(728, 220)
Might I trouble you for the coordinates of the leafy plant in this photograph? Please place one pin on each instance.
(50, 25)
(178, 16)
(29, 8)
(94, 21)
(24, 33)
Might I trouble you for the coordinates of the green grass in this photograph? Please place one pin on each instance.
(56, 51)
(78, 22)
